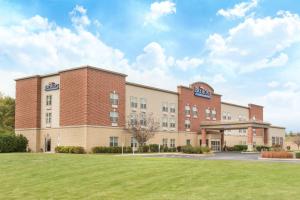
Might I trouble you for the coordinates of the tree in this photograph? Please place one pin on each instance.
(296, 140)
(142, 127)
(7, 114)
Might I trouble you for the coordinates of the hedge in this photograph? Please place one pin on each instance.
(111, 150)
(69, 149)
(13, 143)
(194, 150)
(276, 154)
(262, 148)
(297, 154)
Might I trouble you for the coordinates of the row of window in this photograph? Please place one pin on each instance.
(277, 141)
(114, 142)
(134, 103)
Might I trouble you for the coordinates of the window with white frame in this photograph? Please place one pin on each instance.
(172, 143)
(214, 114)
(188, 142)
(133, 102)
(165, 142)
(133, 142)
(228, 116)
(143, 103)
(48, 100)
(113, 141)
(254, 132)
(114, 116)
(114, 98)
(273, 141)
(172, 123)
(195, 111)
(48, 118)
(187, 110)
(207, 113)
(224, 115)
(133, 119)
(165, 122)
(172, 108)
(281, 141)
(187, 124)
(143, 120)
(165, 107)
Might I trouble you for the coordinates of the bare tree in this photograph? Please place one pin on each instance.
(296, 140)
(142, 126)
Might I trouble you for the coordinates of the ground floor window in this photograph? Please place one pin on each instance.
(133, 142)
(165, 142)
(277, 141)
(188, 142)
(215, 145)
(113, 141)
(172, 143)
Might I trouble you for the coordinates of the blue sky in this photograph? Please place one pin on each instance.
(247, 50)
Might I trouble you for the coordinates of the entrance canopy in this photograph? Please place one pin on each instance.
(208, 125)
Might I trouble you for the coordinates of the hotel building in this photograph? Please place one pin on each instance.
(88, 106)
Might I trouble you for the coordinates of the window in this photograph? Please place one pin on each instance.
(187, 110)
(240, 118)
(114, 117)
(172, 123)
(195, 111)
(133, 142)
(207, 113)
(172, 108)
(48, 100)
(133, 120)
(143, 119)
(254, 132)
(165, 107)
(281, 141)
(133, 102)
(214, 114)
(172, 143)
(48, 118)
(188, 142)
(113, 141)
(224, 115)
(143, 103)
(187, 124)
(277, 140)
(165, 142)
(273, 141)
(228, 116)
(114, 98)
(165, 122)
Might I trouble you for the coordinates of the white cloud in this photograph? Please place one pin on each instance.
(158, 10)
(239, 10)
(79, 17)
(256, 43)
(189, 63)
(273, 84)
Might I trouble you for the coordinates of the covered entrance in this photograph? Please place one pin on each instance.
(48, 144)
(222, 126)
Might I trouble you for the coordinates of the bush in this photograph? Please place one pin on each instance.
(172, 149)
(69, 149)
(297, 154)
(276, 154)
(143, 149)
(240, 148)
(13, 143)
(262, 148)
(276, 147)
(111, 150)
(195, 150)
(179, 149)
(154, 147)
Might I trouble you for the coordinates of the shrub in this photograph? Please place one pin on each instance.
(240, 148)
(69, 149)
(297, 154)
(179, 149)
(164, 148)
(172, 149)
(154, 147)
(143, 149)
(111, 150)
(276, 147)
(13, 143)
(195, 150)
(262, 148)
(276, 154)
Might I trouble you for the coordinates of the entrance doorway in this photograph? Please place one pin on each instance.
(47, 144)
(216, 145)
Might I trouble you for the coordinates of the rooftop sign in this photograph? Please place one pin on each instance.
(52, 86)
(201, 92)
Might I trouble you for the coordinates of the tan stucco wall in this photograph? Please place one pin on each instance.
(54, 109)
(230, 140)
(276, 132)
(155, 100)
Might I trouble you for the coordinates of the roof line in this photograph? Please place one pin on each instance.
(151, 88)
(232, 104)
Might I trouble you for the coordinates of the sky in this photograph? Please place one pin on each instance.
(247, 50)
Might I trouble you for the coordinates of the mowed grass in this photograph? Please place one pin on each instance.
(61, 176)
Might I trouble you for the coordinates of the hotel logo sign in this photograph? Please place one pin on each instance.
(201, 92)
(52, 86)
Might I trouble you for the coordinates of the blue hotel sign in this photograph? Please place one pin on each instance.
(52, 86)
(201, 92)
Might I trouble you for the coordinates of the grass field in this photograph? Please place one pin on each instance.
(53, 176)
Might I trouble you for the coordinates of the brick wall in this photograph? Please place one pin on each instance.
(100, 85)
(187, 97)
(73, 97)
(28, 103)
(258, 112)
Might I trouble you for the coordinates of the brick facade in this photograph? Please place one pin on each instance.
(257, 112)
(187, 97)
(28, 103)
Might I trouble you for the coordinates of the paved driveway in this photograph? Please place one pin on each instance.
(223, 156)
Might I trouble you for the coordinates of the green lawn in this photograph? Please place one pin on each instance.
(54, 176)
